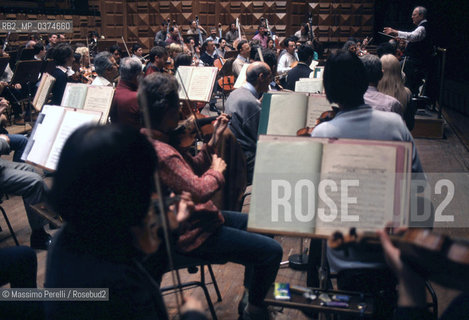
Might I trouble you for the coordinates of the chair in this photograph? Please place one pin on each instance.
(193, 265)
(7, 220)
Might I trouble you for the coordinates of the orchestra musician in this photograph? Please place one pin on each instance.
(158, 57)
(244, 51)
(161, 35)
(213, 35)
(63, 58)
(193, 30)
(137, 52)
(116, 53)
(221, 50)
(106, 69)
(173, 36)
(102, 188)
(124, 108)
(303, 34)
(207, 232)
(52, 41)
(209, 53)
(39, 51)
(302, 69)
(232, 34)
(288, 58)
(244, 106)
(261, 36)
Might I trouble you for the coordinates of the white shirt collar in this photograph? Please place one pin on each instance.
(251, 88)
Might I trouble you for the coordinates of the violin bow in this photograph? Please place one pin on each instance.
(125, 45)
(174, 272)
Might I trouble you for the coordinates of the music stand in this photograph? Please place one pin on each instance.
(26, 54)
(27, 73)
(3, 64)
(231, 54)
(48, 66)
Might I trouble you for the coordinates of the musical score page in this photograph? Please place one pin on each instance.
(317, 104)
(373, 168)
(47, 126)
(183, 76)
(74, 95)
(71, 121)
(287, 113)
(99, 99)
(201, 84)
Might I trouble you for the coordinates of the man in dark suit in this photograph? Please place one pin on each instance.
(418, 51)
(302, 69)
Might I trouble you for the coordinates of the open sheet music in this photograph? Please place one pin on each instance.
(309, 186)
(286, 113)
(89, 97)
(197, 81)
(53, 126)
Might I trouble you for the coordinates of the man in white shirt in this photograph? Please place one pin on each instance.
(418, 51)
(244, 50)
(106, 69)
(286, 60)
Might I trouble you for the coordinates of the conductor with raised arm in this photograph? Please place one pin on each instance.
(418, 50)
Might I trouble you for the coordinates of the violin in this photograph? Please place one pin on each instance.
(169, 66)
(184, 136)
(325, 116)
(435, 256)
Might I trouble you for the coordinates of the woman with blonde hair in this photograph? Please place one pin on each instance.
(392, 84)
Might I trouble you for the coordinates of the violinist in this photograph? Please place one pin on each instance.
(63, 58)
(124, 108)
(244, 51)
(137, 52)
(85, 64)
(106, 69)
(207, 232)
(288, 58)
(302, 69)
(116, 53)
(232, 34)
(108, 237)
(158, 57)
(412, 300)
(39, 51)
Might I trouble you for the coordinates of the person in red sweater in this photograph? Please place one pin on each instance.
(207, 232)
(124, 108)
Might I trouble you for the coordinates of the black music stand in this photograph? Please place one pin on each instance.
(48, 66)
(26, 54)
(3, 64)
(27, 74)
(231, 54)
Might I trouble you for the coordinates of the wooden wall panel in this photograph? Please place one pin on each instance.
(138, 20)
